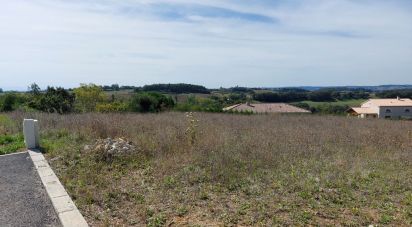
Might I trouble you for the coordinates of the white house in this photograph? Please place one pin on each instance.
(384, 108)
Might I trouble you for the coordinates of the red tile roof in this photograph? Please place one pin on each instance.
(388, 102)
(362, 110)
(266, 108)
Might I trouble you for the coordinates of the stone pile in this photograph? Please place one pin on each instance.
(109, 148)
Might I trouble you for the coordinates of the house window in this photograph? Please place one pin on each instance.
(388, 111)
(407, 111)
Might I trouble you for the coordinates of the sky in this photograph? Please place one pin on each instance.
(216, 43)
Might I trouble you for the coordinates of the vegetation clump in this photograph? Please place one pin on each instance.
(151, 102)
(53, 100)
(176, 88)
(88, 96)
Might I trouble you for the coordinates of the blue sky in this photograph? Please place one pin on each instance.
(210, 42)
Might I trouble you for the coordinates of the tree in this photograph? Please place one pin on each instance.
(7, 102)
(1, 90)
(115, 87)
(321, 96)
(88, 96)
(403, 93)
(34, 89)
(151, 102)
(53, 100)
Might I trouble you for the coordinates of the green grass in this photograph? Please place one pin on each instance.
(11, 143)
(5, 124)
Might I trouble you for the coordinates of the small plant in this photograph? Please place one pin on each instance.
(191, 131)
(136, 197)
(169, 182)
(305, 217)
(182, 211)
(156, 221)
(204, 195)
(243, 209)
(385, 219)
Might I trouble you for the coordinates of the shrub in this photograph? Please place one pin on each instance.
(88, 96)
(150, 102)
(199, 104)
(111, 107)
(54, 100)
(303, 106)
(8, 102)
(331, 109)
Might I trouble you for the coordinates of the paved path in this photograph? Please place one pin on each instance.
(23, 199)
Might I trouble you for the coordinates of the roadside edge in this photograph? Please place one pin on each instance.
(65, 208)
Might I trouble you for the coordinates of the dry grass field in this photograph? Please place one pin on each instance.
(233, 170)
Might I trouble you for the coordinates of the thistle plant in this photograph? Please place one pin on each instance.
(191, 131)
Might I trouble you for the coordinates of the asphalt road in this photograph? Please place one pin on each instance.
(23, 199)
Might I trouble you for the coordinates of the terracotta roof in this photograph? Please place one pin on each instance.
(266, 108)
(231, 107)
(388, 102)
(363, 110)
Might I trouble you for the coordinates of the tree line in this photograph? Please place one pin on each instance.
(179, 97)
(403, 93)
(180, 88)
(177, 88)
(86, 98)
(323, 95)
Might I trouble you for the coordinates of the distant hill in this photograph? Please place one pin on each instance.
(369, 88)
(176, 88)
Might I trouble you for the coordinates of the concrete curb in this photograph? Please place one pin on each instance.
(20, 152)
(67, 211)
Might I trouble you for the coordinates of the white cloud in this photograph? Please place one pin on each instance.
(215, 43)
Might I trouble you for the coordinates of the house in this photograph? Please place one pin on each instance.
(383, 108)
(265, 108)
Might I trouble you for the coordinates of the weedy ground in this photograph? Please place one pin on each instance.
(10, 138)
(234, 170)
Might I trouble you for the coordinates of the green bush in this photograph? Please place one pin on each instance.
(111, 107)
(8, 102)
(54, 100)
(330, 109)
(88, 96)
(200, 104)
(150, 102)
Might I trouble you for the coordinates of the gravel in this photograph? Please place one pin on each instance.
(23, 199)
